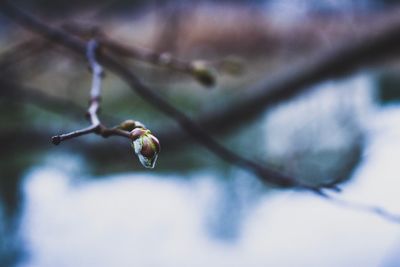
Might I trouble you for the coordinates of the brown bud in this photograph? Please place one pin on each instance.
(129, 125)
(203, 73)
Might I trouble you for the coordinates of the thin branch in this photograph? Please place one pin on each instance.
(336, 60)
(57, 139)
(201, 70)
(94, 103)
(160, 59)
(95, 92)
(376, 210)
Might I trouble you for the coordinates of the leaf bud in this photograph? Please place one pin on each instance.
(129, 125)
(203, 73)
(146, 146)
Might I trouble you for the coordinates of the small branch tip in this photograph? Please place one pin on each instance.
(56, 140)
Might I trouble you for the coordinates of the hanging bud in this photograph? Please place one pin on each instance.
(129, 125)
(146, 146)
(203, 73)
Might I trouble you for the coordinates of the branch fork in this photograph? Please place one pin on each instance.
(145, 144)
(96, 126)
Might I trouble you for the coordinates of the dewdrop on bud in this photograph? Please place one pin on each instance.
(203, 73)
(146, 146)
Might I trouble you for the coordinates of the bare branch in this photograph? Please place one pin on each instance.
(95, 92)
(376, 210)
(348, 57)
(333, 64)
(201, 70)
(94, 103)
(57, 139)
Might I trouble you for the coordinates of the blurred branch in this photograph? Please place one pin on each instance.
(379, 211)
(170, 16)
(333, 64)
(349, 57)
(202, 71)
(19, 52)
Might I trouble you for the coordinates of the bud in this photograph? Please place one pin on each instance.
(203, 73)
(129, 125)
(146, 146)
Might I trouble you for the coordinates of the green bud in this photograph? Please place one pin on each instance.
(129, 125)
(203, 73)
(146, 146)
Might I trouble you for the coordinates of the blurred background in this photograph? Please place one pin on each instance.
(88, 202)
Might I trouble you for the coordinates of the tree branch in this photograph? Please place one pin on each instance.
(376, 210)
(201, 70)
(350, 56)
(381, 42)
(344, 59)
(94, 103)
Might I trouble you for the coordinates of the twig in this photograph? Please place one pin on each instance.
(376, 210)
(200, 135)
(57, 139)
(161, 59)
(201, 70)
(94, 103)
(95, 92)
